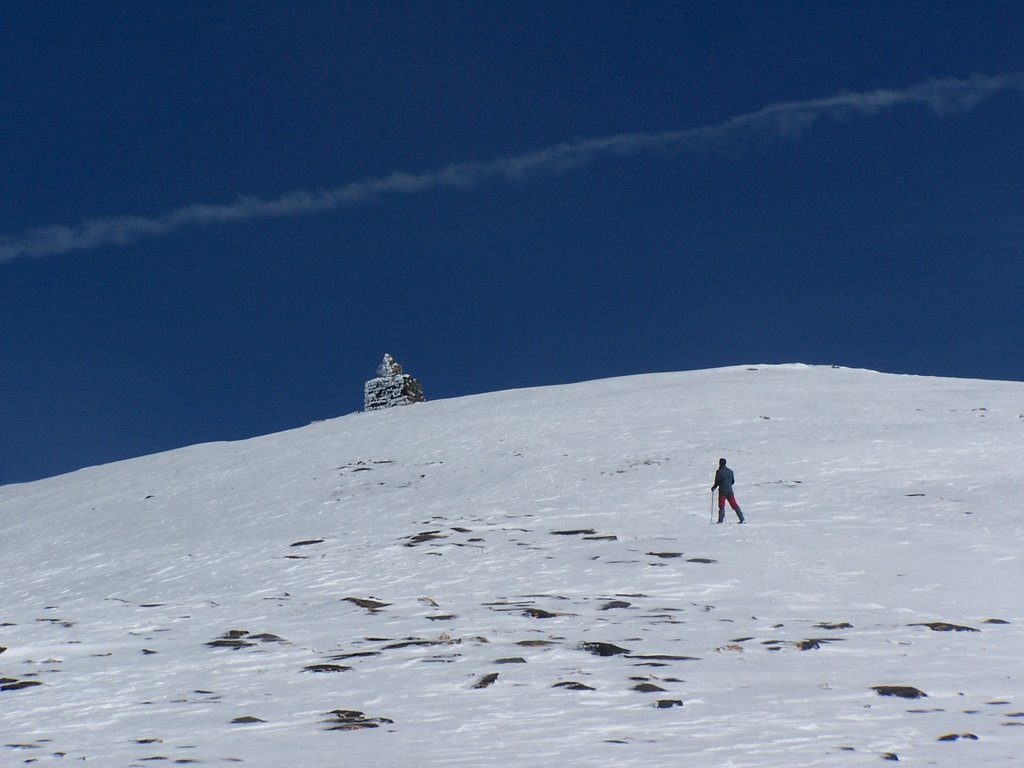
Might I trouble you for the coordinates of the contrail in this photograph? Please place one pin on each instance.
(782, 120)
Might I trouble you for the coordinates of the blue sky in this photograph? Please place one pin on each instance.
(203, 236)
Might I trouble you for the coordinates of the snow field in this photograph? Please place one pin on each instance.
(507, 531)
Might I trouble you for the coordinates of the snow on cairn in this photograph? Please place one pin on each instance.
(391, 387)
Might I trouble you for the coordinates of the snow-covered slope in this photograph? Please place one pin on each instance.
(212, 604)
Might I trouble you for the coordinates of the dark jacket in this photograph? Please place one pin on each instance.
(724, 481)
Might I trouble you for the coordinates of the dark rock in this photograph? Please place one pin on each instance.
(815, 643)
(603, 649)
(666, 555)
(839, 625)
(701, 560)
(572, 685)
(537, 613)
(996, 621)
(419, 538)
(352, 720)
(661, 657)
(608, 537)
(414, 643)
(327, 668)
(354, 655)
(648, 688)
(903, 691)
(486, 680)
(575, 532)
(942, 626)
(9, 684)
(266, 637)
(890, 756)
(229, 643)
(511, 660)
(371, 605)
(669, 703)
(535, 643)
(615, 604)
(241, 638)
(246, 720)
(307, 543)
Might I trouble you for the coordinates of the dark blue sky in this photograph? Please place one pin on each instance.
(888, 236)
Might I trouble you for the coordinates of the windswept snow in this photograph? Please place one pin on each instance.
(532, 578)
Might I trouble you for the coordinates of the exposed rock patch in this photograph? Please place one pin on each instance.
(648, 688)
(425, 536)
(603, 649)
(942, 626)
(13, 684)
(369, 604)
(327, 668)
(902, 691)
(352, 720)
(815, 643)
(572, 685)
(486, 681)
(236, 639)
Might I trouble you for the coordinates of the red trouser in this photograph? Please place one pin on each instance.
(731, 498)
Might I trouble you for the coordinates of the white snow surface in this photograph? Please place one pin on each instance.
(877, 504)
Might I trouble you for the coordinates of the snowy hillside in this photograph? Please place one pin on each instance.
(531, 578)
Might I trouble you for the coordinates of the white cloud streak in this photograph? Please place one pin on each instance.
(782, 120)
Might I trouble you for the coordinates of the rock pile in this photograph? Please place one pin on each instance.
(391, 387)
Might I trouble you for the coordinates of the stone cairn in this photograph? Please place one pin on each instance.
(391, 387)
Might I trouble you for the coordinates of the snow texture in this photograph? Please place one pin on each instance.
(532, 578)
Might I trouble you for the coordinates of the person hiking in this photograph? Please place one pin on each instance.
(724, 481)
